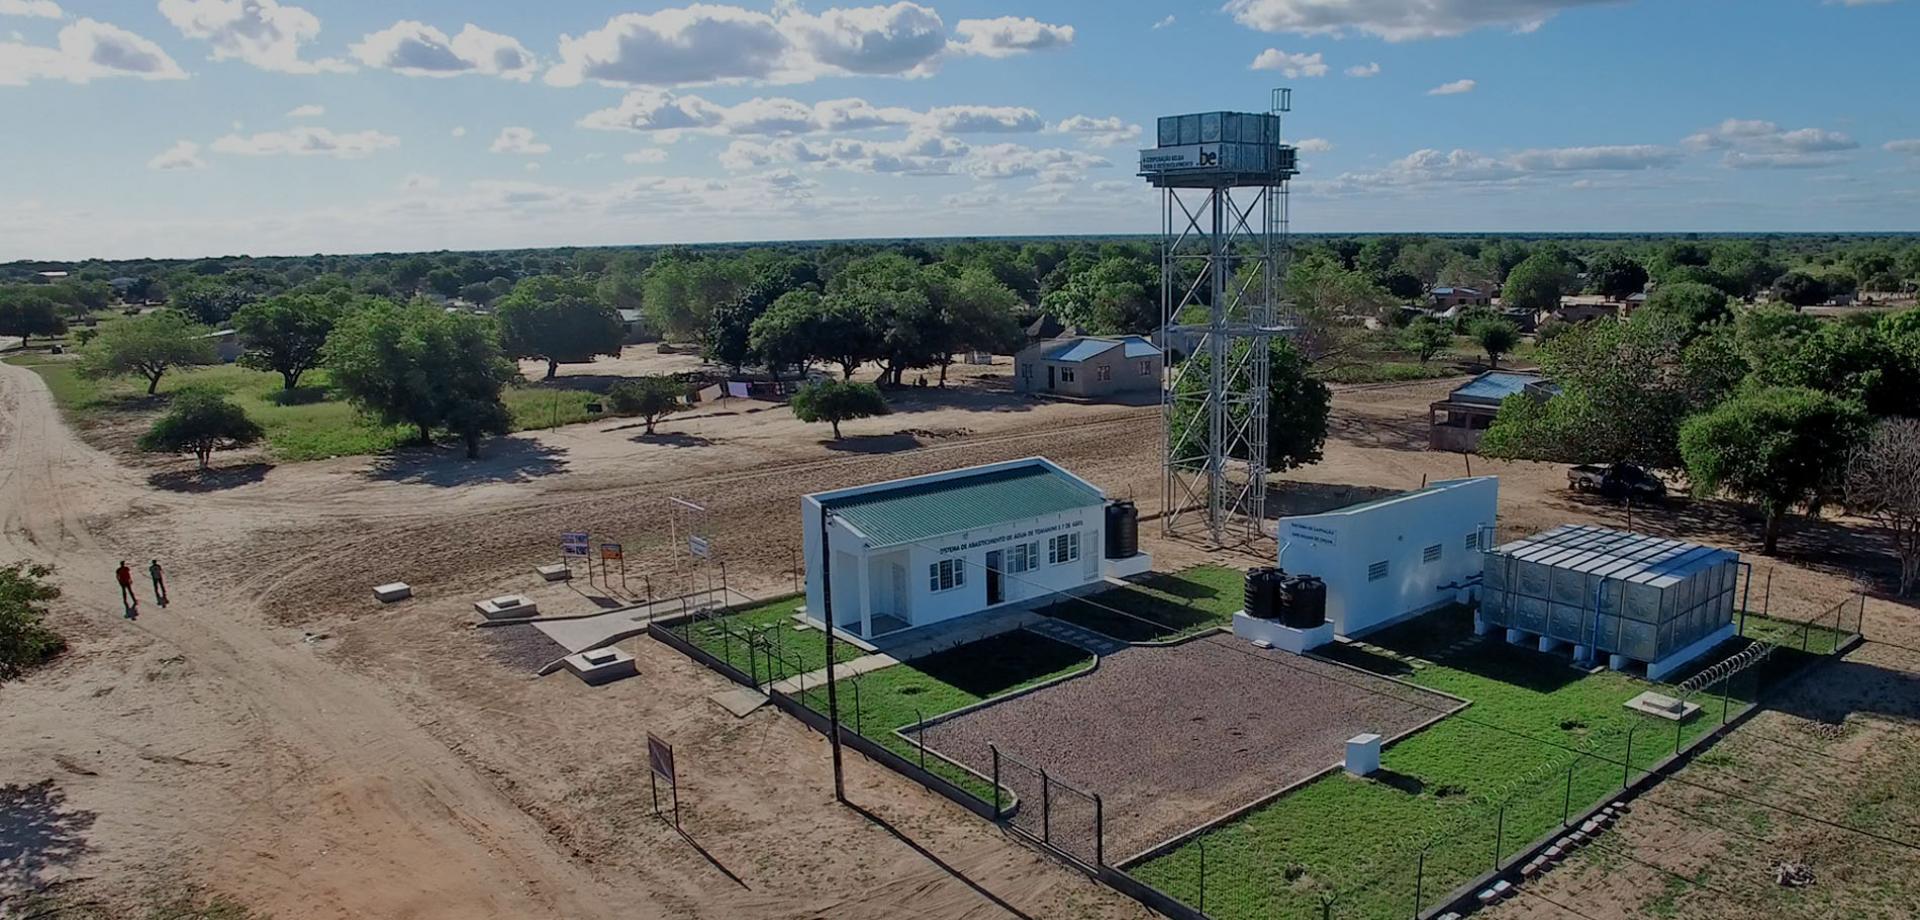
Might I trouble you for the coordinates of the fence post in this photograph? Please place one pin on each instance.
(1203, 876)
(1099, 832)
(1046, 808)
(1626, 764)
(996, 778)
(1806, 633)
(1419, 881)
(922, 735)
(1726, 691)
(1860, 619)
(1839, 612)
(857, 722)
(1499, 835)
(1566, 806)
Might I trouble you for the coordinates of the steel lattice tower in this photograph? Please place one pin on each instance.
(1223, 246)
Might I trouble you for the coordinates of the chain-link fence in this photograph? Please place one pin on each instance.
(1051, 812)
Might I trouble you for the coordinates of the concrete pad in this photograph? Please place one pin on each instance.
(841, 671)
(1136, 564)
(1663, 706)
(600, 666)
(506, 607)
(394, 591)
(741, 701)
(558, 571)
(1285, 638)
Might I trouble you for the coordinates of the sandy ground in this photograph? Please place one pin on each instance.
(277, 735)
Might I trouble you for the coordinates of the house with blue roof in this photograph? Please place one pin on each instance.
(1089, 366)
(1458, 422)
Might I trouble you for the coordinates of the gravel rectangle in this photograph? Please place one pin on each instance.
(1172, 737)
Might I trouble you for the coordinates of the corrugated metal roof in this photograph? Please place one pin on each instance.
(1494, 386)
(917, 511)
(1138, 347)
(1080, 349)
(1631, 557)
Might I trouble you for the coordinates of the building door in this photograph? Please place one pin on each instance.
(995, 592)
(1049, 377)
(900, 593)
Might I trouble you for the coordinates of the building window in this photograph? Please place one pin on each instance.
(1473, 541)
(947, 574)
(1377, 571)
(1066, 375)
(1063, 548)
(1023, 557)
(1146, 368)
(1103, 372)
(1430, 555)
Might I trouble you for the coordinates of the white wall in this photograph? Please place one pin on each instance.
(1340, 547)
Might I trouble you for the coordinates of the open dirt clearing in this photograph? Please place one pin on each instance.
(278, 736)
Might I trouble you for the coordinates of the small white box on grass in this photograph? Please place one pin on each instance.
(1363, 755)
(602, 665)
(395, 591)
(507, 607)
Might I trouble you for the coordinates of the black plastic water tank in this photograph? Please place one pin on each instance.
(1306, 602)
(1123, 530)
(1258, 595)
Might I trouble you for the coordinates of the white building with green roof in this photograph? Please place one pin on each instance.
(927, 549)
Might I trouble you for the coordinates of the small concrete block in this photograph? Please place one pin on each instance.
(1487, 896)
(507, 607)
(1533, 868)
(1591, 828)
(1517, 636)
(558, 571)
(1620, 808)
(602, 665)
(1363, 755)
(1553, 853)
(1262, 643)
(1502, 888)
(740, 701)
(1663, 706)
(396, 591)
(1575, 839)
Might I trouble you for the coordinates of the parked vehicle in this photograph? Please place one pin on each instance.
(1619, 481)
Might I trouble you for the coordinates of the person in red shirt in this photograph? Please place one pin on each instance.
(124, 575)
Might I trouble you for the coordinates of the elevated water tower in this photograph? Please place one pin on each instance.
(1223, 178)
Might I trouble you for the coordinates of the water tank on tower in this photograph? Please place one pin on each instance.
(1123, 530)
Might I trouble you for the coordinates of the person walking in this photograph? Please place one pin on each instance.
(159, 582)
(128, 599)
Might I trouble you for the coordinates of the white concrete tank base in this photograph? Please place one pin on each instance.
(602, 665)
(507, 607)
(557, 571)
(1363, 755)
(393, 591)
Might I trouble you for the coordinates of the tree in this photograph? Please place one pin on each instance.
(789, 332)
(201, 423)
(210, 301)
(1694, 306)
(1538, 283)
(730, 326)
(147, 345)
(892, 296)
(651, 397)
(976, 312)
(1495, 336)
(25, 640)
(1615, 276)
(423, 367)
(1297, 406)
(1780, 448)
(1801, 289)
(1883, 482)
(27, 313)
(1116, 295)
(559, 320)
(1426, 337)
(286, 335)
(836, 401)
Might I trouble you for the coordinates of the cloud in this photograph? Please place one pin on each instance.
(968, 119)
(518, 141)
(1909, 146)
(1314, 145)
(532, 167)
(183, 155)
(44, 9)
(1617, 157)
(1099, 132)
(670, 115)
(1363, 71)
(306, 141)
(87, 50)
(1009, 35)
(1453, 89)
(419, 50)
(707, 43)
(646, 155)
(920, 153)
(260, 32)
(307, 111)
(1164, 23)
(419, 182)
(1760, 144)
(1425, 168)
(1397, 20)
(1289, 64)
(459, 131)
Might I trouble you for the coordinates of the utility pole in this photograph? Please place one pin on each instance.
(833, 698)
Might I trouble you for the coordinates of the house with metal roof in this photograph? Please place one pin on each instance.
(1089, 367)
(927, 549)
(1458, 422)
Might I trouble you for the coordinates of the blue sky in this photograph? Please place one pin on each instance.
(200, 127)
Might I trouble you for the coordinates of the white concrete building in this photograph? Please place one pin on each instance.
(923, 550)
(1388, 560)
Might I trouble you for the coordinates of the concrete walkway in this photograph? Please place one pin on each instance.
(841, 671)
(1078, 636)
(579, 633)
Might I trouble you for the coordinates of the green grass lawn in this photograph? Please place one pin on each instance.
(311, 423)
(1360, 838)
(1811, 637)
(796, 650)
(1159, 608)
(899, 696)
(1390, 371)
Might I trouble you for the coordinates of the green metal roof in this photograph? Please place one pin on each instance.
(917, 511)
